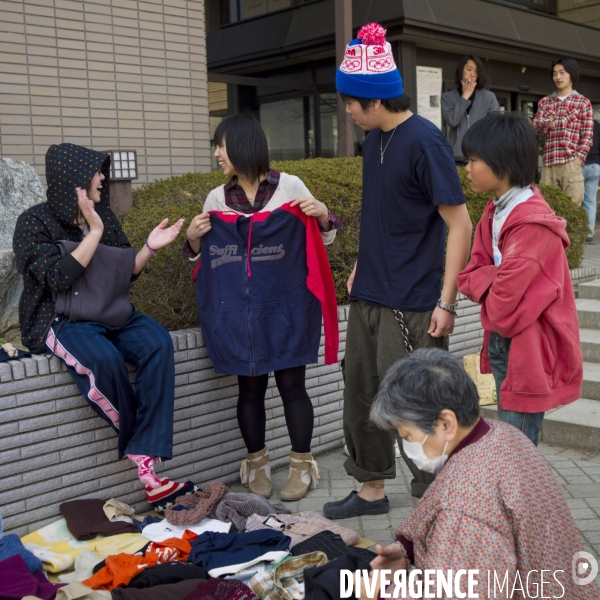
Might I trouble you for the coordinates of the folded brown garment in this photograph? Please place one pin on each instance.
(86, 520)
(170, 591)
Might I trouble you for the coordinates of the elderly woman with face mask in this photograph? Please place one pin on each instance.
(494, 505)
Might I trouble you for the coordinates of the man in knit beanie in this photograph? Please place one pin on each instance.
(411, 193)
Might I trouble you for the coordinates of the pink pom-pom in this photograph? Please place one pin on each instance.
(372, 34)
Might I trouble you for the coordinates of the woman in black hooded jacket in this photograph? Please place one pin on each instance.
(78, 210)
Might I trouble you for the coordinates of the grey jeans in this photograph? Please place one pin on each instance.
(374, 343)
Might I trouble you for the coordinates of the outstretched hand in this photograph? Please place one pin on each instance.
(160, 237)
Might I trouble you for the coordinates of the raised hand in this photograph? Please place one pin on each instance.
(162, 235)
(468, 87)
(88, 211)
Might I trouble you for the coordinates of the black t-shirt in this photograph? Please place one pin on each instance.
(594, 154)
(402, 236)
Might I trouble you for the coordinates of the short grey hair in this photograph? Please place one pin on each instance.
(418, 388)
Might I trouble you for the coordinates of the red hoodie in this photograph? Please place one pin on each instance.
(530, 299)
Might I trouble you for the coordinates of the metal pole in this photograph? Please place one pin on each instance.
(343, 34)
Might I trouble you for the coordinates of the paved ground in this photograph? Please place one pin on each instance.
(591, 255)
(577, 471)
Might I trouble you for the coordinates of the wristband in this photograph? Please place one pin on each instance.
(451, 308)
(153, 252)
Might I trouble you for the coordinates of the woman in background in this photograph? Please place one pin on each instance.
(468, 103)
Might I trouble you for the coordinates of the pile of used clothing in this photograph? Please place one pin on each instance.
(209, 544)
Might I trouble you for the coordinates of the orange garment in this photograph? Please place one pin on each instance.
(122, 568)
(173, 549)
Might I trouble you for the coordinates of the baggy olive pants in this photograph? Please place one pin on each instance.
(568, 177)
(373, 344)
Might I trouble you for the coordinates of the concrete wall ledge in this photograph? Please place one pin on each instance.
(54, 448)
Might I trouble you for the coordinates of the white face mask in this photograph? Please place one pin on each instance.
(414, 451)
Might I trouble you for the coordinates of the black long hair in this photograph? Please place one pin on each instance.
(246, 145)
(570, 65)
(458, 74)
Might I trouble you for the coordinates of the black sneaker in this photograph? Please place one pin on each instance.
(355, 506)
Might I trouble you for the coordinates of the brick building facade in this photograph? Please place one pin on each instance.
(580, 11)
(109, 74)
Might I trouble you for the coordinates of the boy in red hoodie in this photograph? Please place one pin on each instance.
(519, 274)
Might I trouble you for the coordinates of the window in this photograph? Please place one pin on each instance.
(283, 124)
(546, 6)
(237, 10)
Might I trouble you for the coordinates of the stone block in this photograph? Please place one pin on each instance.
(35, 462)
(43, 366)
(10, 510)
(17, 368)
(5, 372)
(20, 189)
(48, 394)
(21, 413)
(8, 403)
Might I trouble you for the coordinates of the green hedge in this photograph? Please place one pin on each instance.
(165, 290)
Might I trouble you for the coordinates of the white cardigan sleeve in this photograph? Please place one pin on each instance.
(211, 201)
(295, 189)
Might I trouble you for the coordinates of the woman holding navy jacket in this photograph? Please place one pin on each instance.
(262, 286)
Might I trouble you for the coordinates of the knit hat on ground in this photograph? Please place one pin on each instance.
(236, 508)
(368, 69)
(11, 545)
(167, 494)
(198, 505)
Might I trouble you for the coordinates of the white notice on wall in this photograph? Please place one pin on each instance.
(429, 92)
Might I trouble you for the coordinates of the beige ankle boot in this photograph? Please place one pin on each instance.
(304, 475)
(255, 473)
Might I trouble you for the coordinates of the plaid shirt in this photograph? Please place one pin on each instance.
(236, 199)
(286, 582)
(571, 134)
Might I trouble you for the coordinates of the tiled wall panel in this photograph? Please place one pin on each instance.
(54, 448)
(107, 74)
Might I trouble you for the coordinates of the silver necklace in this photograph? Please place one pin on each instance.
(381, 148)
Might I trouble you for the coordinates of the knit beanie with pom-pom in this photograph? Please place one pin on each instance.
(368, 69)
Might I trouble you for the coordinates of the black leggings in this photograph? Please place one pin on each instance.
(297, 407)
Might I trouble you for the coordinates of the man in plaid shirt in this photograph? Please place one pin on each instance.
(566, 119)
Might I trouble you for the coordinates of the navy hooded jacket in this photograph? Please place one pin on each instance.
(262, 289)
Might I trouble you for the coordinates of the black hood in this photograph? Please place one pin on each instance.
(69, 166)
